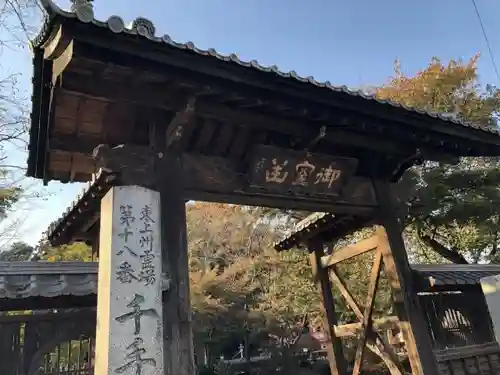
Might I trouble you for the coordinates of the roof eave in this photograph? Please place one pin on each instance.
(425, 119)
(39, 122)
(38, 128)
(434, 122)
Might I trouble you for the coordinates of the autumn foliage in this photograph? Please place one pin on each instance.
(454, 214)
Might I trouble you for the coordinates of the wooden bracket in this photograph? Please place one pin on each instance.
(181, 126)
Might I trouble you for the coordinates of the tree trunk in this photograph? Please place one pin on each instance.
(449, 254)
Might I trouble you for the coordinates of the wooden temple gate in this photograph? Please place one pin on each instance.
(135, 109)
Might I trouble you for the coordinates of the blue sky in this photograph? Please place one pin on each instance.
(352, 42)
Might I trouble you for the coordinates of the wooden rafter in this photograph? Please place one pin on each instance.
(350, 251)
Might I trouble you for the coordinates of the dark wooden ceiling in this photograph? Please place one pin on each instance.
(98, 103)
(105, 103)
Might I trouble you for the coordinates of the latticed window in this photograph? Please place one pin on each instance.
(458, 318)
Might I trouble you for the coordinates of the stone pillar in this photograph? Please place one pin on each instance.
(129, 338)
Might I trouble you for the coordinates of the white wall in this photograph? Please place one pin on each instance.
(491, 290)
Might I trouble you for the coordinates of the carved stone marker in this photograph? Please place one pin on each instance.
(491, 289)
(129, 307)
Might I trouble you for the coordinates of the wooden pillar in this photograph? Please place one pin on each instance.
(95, 246)
(178, 337)
(335, 351)
(129, 310)
(398, 271)
(31, 334)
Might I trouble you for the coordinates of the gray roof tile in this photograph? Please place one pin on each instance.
(48, 279)
(455, 274)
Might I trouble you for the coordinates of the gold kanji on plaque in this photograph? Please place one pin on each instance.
(327, 175)
(277, 173)
(304, 171)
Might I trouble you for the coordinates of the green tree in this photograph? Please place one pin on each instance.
(240, 286)
(243, 290)
(455, 209)
(18, 21)
(18, 251)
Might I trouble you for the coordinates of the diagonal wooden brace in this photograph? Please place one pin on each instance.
(367, 316)
(380, 347)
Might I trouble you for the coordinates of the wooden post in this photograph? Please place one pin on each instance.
(397, 268)
(179, 353)
(335, 351)
(129, 312)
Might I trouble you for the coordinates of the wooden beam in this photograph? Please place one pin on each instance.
(398, 270)
(206, 134)
(355, 329)
(158, 95)
(225, 138)
(221, 180)
(335, 133)
(89, 314)
(351, 302)
(335, 352)
(84, 144)
(349, 252)
(367, 316)
(44, 303)
(239, 143)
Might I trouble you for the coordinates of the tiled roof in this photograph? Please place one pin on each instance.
(318, 224)
(455, 274)
(83, 11)
(311, 222)
(432, 274)
(48, 279)
(83, 204)
(44, 279)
